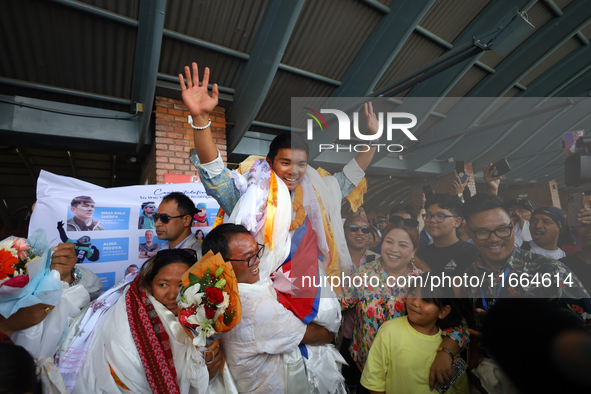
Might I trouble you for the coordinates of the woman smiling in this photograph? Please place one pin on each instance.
(379, 298)
(139, 345)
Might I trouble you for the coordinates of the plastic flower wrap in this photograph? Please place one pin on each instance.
(25, 277)
(209, 303)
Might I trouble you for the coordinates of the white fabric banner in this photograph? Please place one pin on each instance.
(117, 232)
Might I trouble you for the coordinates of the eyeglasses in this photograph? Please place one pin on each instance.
(354, 228)
(439, 218)
(190, 253)
(250, 261)
(483, 235)
(164, 218)
(396, 220)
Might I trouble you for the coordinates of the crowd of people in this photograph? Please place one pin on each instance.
(389, 329)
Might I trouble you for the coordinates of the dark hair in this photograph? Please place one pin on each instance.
(184, 204)
(404, 208)
(413, 233)
(481, 202)
(445, 201)
(287, 140)
(218, 239)
(373, 232)
(80, 200)
(440, 296)
(152, 266)
(17, 370)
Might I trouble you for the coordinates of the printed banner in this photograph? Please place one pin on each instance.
(112, 228)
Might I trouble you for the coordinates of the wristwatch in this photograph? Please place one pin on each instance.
(76, 277)
(461, 195)
(442, 349)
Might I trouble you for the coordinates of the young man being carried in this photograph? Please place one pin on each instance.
(285, 165)
(282, 200)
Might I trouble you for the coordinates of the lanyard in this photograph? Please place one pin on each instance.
(484, 303)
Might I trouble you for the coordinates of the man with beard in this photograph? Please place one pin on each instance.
(547, 224)
(146, 219)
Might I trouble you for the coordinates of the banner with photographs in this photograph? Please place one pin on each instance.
(113, 228)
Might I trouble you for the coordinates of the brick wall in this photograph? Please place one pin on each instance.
(540, 194)
(174, 140)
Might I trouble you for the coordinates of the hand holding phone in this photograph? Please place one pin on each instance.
(501, 167)
(461, 171)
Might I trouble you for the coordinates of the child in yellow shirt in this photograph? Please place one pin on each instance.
(404, 348)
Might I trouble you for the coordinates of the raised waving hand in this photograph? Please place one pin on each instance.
(197, 98)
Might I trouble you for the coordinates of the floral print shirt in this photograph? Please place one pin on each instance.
(544, 278)
(376, 305)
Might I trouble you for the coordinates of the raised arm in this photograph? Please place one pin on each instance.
(200, 105)
(492, 181)
(364, 158)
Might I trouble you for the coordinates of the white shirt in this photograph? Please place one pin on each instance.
(254, 348)
(553, 254)
(522, 235)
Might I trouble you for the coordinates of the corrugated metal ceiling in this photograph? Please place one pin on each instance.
(447, 19)
(53, 44)
(328, 35)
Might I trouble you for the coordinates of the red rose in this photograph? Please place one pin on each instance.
(18, 281)
(370, 312)
(184, 314)
(398, 306)
(578, 309)
(215, 295)
(209, 312)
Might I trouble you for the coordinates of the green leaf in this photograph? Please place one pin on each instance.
(193, 278)
(229, 316)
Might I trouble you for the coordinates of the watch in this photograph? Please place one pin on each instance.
(460, 195)
(442, 349)
(76, 277)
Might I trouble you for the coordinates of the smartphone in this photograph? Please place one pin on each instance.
(502, 167)
(461, 170)
(574, 203)
(428, 190)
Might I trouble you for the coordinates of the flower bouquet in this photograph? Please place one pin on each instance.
(209, 304)
(25, 276)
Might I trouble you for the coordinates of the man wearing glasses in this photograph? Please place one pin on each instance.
(494, 237)
(262, 351)
(447, 254)
(173, 223)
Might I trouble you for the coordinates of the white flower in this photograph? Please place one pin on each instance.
(191, 291)
(7, 245)
(224, 304)
(183, 305)
(199, 317)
